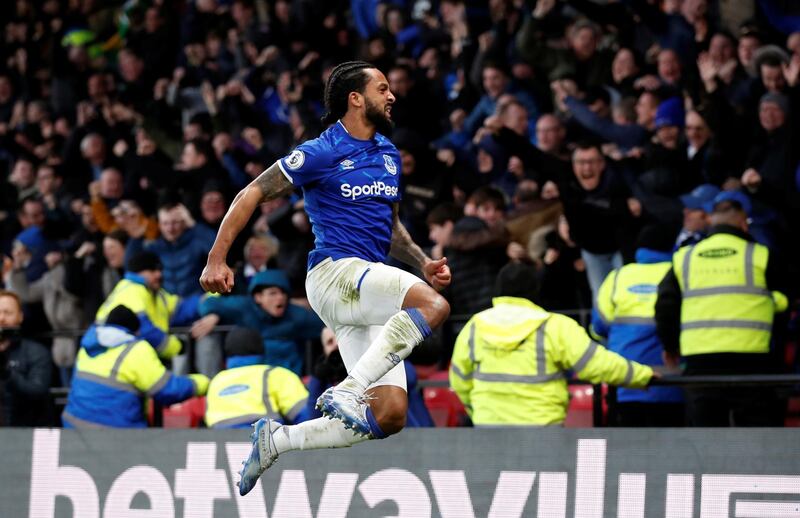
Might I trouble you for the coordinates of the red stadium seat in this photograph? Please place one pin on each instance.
(427, 371)
(188, 414)
(443, 404)
(580, 410)
(793, 413)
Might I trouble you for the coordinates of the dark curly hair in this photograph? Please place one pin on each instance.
(345, 78)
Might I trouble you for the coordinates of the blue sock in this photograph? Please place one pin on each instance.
(374, 427)
(420, 322)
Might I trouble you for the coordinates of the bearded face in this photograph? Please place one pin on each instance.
(379, 116)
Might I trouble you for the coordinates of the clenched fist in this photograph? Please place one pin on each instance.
(217, 278)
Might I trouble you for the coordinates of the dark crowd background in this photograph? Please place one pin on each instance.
(549, 132)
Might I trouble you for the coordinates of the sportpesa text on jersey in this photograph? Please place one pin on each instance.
(349, 186)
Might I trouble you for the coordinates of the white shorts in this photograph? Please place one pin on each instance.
(355, 298)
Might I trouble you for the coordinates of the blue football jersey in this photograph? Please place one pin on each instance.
(349, 186)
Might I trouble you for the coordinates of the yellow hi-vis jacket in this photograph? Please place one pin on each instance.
(114, 372)
(509, 364)
(237, 397)
(725, 304)
(625, 319)
(153, 309)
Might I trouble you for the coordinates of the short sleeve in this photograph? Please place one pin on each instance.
(306, 163)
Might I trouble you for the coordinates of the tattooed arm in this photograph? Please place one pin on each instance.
(404, 249)
(270, 184)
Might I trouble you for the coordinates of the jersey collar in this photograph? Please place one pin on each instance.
(350, 136)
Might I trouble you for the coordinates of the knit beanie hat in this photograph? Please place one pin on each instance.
(144, 261)
(776, 98)
(517, 280)
(123, 317)
(269, 278)
(243, 341)
(656, 237)
(670, 113)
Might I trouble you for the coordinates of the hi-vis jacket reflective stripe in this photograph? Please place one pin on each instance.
(625, 316)
(109, 387)
(726, 306)
(509, 364)
(242, 395)
(153, 309)
(629, 294)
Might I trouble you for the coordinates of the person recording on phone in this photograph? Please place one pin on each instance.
(25, 370)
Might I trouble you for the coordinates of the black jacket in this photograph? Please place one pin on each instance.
(599, 220)
(25, 373)
(476, 253)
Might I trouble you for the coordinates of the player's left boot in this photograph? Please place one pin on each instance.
(262, 455)
(346, 405)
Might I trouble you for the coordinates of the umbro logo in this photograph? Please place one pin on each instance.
(346, 164)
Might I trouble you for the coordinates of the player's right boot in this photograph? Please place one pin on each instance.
(346, 405)
(262, 455)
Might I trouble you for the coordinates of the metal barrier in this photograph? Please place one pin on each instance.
(59, 394)
(672, 380)
(582, 316)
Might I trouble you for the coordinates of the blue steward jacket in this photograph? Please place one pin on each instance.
(114, 371)
(625, 317)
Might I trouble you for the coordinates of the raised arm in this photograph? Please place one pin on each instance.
(405, 249)
(217, 277)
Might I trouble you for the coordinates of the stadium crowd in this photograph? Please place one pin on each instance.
(551, 132)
